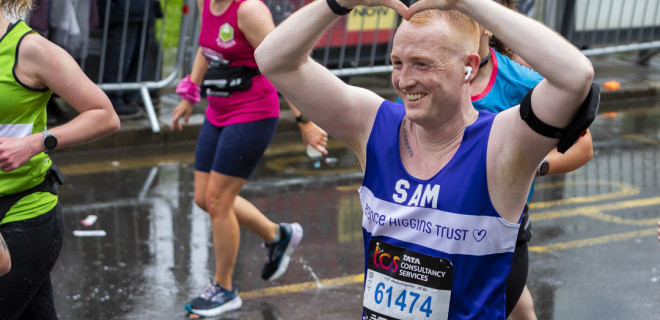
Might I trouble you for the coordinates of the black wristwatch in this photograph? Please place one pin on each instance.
(50, 141)
(302, 119)
(543, 168)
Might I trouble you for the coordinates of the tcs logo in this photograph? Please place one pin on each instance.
(385, 260)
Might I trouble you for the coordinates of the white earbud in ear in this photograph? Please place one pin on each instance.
(468, 72)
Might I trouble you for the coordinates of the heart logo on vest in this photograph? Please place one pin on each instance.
(479, 234)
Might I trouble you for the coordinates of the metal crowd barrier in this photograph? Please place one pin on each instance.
(601, 27)
(94, 63)
(360, 42)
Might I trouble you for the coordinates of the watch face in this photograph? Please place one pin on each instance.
(50, 142)
(544, 168)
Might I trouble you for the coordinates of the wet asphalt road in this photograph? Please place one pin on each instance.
(594, 254)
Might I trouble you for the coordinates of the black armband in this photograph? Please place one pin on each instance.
(567, 136)
(337, 8)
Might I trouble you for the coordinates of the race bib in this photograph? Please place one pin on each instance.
(404, 284)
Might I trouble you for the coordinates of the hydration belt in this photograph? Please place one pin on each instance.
(53, 179)
(221, 81)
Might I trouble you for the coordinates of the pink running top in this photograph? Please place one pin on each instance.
(220, 34)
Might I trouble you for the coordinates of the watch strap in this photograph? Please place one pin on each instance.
(301, 119)
(337, 8)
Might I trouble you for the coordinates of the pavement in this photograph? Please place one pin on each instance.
(636, 82)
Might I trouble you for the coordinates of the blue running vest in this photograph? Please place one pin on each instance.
(436, 248)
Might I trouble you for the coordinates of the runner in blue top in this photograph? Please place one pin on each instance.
(500, 84)
(444, 184)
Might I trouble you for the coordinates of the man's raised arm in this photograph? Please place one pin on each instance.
(517, 146)
(344, 111)
(568, 73)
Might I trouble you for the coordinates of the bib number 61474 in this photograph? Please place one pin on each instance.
(404, 300)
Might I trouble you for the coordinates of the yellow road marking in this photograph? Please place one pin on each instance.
(124, 164)
(285, 164)
(187, 157)
(596, 211)
(619, 220)
(592, 241)
(641, 138)
(625, 190)
(305, 286)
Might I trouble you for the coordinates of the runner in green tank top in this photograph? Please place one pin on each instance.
(31, 69)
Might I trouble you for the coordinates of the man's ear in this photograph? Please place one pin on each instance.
(471, 66)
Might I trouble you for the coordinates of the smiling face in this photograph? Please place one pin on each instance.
(429, 59)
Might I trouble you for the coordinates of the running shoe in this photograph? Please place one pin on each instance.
(215, 300)
(279, 253)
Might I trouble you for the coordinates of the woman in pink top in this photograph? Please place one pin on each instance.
(240, 122)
